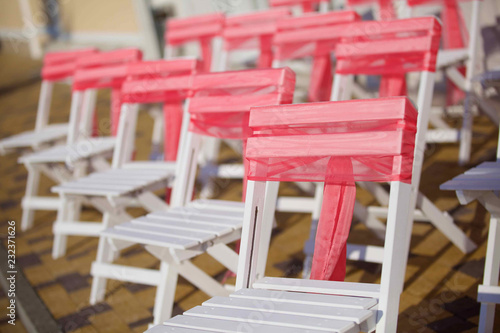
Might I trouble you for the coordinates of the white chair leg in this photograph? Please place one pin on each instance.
(491, 275)
(32, 184)
(63, 214)
(165, 293)
(104, 255)
(465, 138)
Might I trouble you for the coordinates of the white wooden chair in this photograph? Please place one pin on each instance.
(57, 67)
(456, 53)
(112, 191)
(220, 107)
(359, 52)
(301, 6)
(69, 161)
(482, 183)
(312, 142)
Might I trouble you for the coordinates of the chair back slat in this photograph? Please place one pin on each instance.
(297, 142)
(222, 101)
(58, 66)
(182, 30)
(307, 5)
(391, 47)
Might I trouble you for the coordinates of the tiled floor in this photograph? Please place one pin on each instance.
(441, 282)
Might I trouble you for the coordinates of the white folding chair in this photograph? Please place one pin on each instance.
(456, 53)
(481, 183)
(112, 191)
(336, 143)
(69, 161)
(408, 46)
(58, 67)
(219, 107)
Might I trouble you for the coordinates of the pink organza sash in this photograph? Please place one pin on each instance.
(289, 43)
(203, 29)
(337, 143)
(455, 36)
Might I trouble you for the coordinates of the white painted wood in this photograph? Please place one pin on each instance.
(319, 287)
(42, 113)
(225, 255)
(150, 277)
(221, 325)
(165, 293)
(30, 30)
(149, 38)
(394, 265)
(356, 315)
(304, 322)
(306, 299)
(490, 279)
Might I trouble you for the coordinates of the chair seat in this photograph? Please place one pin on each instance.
(33, 139)
(447, 58)
(484, 177)
(119, 182)
(68, 154)
(182, 228)
(262, 310)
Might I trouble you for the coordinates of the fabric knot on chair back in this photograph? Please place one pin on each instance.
(294, 39)
(254, 31)
(106, 70)
(390, 49)
(200, 29)
(58, 66)
(337, 143)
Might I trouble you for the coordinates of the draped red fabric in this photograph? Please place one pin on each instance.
(454, 33)
(172, 113)
(455, 36)
(254, 31)
(202, 29)
(61, 65)
(221, 104)
(294, 39)
(337, 143)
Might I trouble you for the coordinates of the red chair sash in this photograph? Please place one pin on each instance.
(254, 31)
(198, 28)
(288, 47)
(58, 66)
(337, 143)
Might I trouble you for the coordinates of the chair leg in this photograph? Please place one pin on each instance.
(104, 255)
(465, 137)
(491, 275)
(63, 215)
(165, 293)
(32, 185)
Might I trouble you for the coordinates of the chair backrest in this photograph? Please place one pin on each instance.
(202, 29)
(305, 5)
(289, 44)
(142, 78)
(57, 66)
(220, 107)
(387, 48)
(336, 143)
(103, 70)
(252, 31)
(456, 36)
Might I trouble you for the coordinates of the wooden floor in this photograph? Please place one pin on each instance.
(441, 282)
